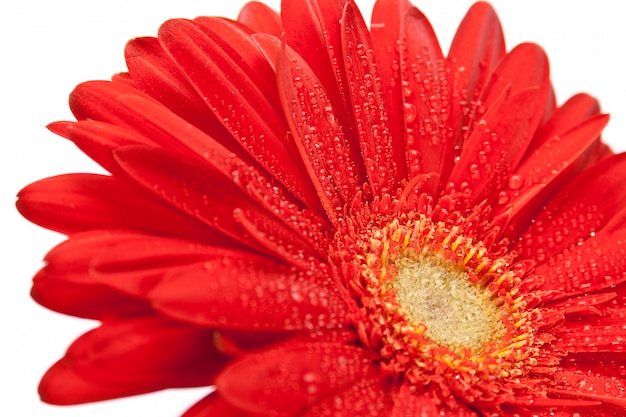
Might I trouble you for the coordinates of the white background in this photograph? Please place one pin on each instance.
(50, 46)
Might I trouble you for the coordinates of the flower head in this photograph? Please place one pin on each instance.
(321, 219)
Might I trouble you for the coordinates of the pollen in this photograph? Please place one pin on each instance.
(438, 295)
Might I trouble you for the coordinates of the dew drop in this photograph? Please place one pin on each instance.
(474, 172)
(407, 88)
(503, 197)
(410, 113)
(516, 182)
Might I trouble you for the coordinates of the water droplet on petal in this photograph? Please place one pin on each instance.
(407, 88)
(516, 182)
(410, 113)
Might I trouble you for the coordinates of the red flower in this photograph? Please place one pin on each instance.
(339, 222)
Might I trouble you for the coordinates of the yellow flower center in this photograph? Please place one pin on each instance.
(438, 295)
(438, 304)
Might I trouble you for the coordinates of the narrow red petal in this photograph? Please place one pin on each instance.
(233, 96)
(74, 203)
(367, 397)
(238, 290)
(320, 139)
(425, 93)
(579, 210)
(278, 240)
(609, 364)
(235, 41)
(188, 187)
(91, 100)
(130, 357)
(368, 106)
(98, 139)
(214, 405)
(593, 387)
(595, 264)
(62, 386)
(387, 18)
(154, 73)
(555, 407)
(588, 304)
(70, 284)
(495, 145)
(174, 133)
(408, 403)
(260, 18)
(154, 123)
(91, 300)
(579, 107)
(283, 381)
(476, 49)
(548, 169)
(312, 30)
(134, 263)
(589, 339)
(507, 75)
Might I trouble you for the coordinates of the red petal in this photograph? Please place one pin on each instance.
(281, 242)
(312, 29)
(238, 290)
(214, 405)
(131, 109)
(547, 170)
(553, 407)
(408, 403)
(495, 145)
(368, 108)
(423, 72)
(476, 49)
(77, 202)
(131, 357)
(367, 397)
(283, 381)
(98, 140)
(236, 42)
(526, 66)
(609, 364)
(134, 263)
(579, 107)
(385, 31)
(154, 73)
(585, 304)
(62, 386)
(587, 339)
(188, 187)
(174, 133)
(603, 332)
(101, 101)
(92, 274)
(597, 263)
(236, 99)
(580, 209)
(593, 387)
(260, 18)
(321, 141)
(90, 300)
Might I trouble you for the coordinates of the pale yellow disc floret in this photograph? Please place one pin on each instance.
(438, 294)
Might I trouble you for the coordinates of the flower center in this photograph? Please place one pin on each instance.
(438, 305)
(438, 295)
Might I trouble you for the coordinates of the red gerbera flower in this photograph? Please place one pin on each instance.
(323, 220)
